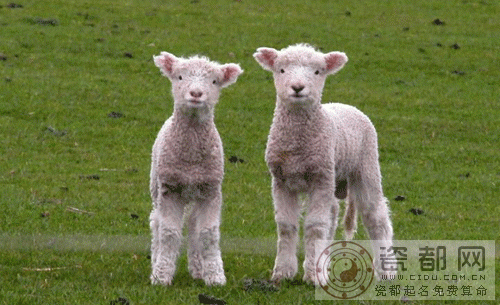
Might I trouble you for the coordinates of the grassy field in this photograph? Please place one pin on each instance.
(81, 103)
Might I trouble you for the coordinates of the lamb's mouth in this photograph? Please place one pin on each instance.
(195, 103)
(298, 97)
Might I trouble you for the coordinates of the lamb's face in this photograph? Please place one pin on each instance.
(196, 82)
(299, 71)
(299, 82)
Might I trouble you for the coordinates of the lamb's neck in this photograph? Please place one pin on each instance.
(299, 114)
(197, 118)
(193, 139)
(191, 131)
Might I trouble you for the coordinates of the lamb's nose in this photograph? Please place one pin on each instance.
(297, 89)
(196, 94)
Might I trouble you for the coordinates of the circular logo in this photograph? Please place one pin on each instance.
(344, 270)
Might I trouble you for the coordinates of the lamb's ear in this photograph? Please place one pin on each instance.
(266, 57)
(165, 61)
(230, 74)
(335, 61)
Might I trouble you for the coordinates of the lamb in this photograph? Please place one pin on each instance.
(322, 151)
(187, 167)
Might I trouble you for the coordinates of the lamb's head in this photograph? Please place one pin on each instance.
(299, 71)
(196, 81)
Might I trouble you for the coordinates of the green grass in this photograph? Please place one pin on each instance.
(435, 108)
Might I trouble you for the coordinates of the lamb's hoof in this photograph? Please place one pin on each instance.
(283, 272)
(165, 280)
(215, 279)
(349, 234)
(196, 276)
(196, 273)
(310, 278)
(195, 266)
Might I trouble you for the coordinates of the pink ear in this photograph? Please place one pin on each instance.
(231, 73)
(266, 57)
(335, 61)
(165, 61)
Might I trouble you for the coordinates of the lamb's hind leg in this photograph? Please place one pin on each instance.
(375, 212)
(287, 212)
(166, 227)
(350, 217)
(195, 259)
(204, 256)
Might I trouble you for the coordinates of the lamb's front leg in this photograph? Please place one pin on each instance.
(287, 212)
(166, 227)
(320, 225)
(204, 254)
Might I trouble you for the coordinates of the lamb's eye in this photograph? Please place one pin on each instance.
(317, 72)
(180, 77)
(214, 82)
(282, 71)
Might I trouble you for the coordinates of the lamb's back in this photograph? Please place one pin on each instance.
(355, 136)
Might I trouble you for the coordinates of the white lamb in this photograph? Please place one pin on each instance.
(322, 151)
(187, 167)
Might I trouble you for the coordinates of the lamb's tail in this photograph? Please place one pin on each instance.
(350, 218)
